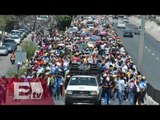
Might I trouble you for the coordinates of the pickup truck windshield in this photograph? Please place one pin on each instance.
(83, 81)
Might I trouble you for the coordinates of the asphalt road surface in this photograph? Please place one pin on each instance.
(115, 102)
(151, 57)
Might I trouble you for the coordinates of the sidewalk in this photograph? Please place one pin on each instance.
(150, 101)
(150, 26)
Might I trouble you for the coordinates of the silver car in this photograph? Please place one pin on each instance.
(3, 50)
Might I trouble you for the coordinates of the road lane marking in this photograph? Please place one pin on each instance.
(153, 54)
(157, 58)
(145, 47)
(149, 50)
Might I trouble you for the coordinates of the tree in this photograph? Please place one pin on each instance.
(5, 20)
(2, 23)
(29, 47)
(63, 21)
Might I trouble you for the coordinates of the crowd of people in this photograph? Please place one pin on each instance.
(82, 43)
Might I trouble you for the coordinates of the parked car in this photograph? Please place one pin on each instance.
(10, 46)
(21, 34)
(128, 33)
(17, 32)
(121, 25)
(27, 28)
(24, 32)
(16, 38)
(3, 50)
(8, 40)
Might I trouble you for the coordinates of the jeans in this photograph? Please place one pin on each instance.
(120, 97)
(107, 96)
(57, 86)
(131, 97)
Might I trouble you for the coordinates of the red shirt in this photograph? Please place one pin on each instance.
(76, 59)
(41, 53)
(12, 55)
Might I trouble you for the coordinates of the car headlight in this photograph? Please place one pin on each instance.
(68, 92)
(94, 93)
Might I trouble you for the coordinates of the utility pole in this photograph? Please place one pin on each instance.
(141, 43)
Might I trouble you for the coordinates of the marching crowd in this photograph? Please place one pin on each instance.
(119, 76)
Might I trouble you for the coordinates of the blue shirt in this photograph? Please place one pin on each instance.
(104, 67)
(143, 84)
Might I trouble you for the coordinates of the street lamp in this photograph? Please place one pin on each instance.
(141, 43)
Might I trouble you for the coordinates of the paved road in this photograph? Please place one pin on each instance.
(115, 102)
(5, 63)
(151, 58)
(148, 101)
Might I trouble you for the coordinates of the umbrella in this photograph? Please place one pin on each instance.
(94, 38)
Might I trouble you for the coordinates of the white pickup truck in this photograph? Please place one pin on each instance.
(83, 89)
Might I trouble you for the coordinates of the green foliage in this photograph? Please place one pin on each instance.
(29, 47)
(5, 19)
(2, 23)
(63, 21)
(21, 72)
(11, 73)
(158, 23)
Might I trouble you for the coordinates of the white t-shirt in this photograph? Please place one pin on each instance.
(108, 64)
(62, 81)
(121, 85)
(40, 70)
(124, 69)
(102, 46)
(66, 63)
